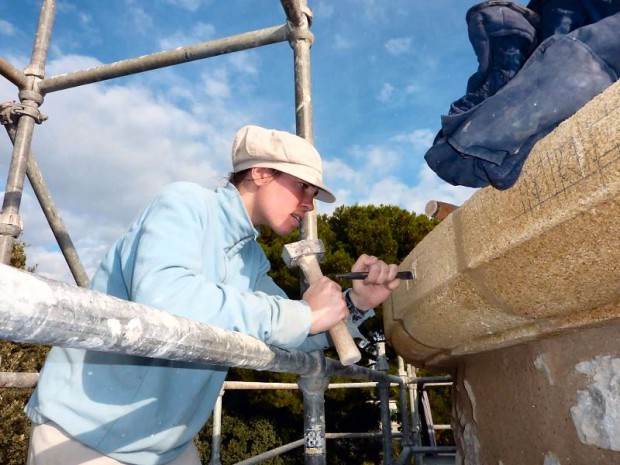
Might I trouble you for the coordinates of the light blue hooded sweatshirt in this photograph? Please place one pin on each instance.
(191, 252)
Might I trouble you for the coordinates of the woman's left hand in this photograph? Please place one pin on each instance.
(377, 286)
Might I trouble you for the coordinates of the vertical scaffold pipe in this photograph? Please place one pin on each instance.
(313, 391)
(415, 413)
(52, 214)
(407, 440)
(384, 399)
(301, 39)
(31, 99)
(216, 439)
(313, 388)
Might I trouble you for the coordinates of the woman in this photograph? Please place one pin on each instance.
(193, 252)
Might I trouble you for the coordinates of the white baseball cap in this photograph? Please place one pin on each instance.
(267, 148)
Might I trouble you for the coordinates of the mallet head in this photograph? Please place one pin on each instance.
(294, 251)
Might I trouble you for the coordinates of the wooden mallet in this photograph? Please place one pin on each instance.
(306, 254)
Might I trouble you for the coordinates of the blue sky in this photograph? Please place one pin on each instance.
(383, 72)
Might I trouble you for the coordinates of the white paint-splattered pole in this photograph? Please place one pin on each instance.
(313, 391)
(38, 310)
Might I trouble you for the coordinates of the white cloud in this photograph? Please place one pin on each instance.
(386, 191)
(200, 32)
(342, 178)
(413, 88)
(69, 63)
(105, 151)
(190, 5)
(125, 135)
(85, 19)
(399, 46)
(48, 260)
(421, 139)
(216, 84)
(246, 61)
(431, 187)
(324, 10)
(374, 9)
(391, 191)
(375, 176)
(339, 170)
(386, 92)
(6, 28)
(342, 43)
(375, 160)
(141, 20)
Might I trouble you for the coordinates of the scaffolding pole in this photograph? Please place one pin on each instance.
(12, 74)
(52, 215)
(42, 311)
(30, 100)
(39, 310)
(301, 39)
(164, 59)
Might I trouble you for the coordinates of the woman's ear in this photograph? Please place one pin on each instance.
(261, 176)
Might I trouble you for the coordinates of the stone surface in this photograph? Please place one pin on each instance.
(526, 398)
(597, 412)
(519, 265)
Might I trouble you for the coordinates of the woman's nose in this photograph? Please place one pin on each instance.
(307, 203)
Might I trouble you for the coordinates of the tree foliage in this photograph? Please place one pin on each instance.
(18, 257)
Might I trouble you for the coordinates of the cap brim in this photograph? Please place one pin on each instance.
(324, 195)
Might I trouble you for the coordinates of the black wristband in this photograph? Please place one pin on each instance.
(356, 313)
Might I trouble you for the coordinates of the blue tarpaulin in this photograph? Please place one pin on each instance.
(511, 103)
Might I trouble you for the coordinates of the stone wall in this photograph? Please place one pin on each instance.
(517, 265)
(518, 293)
(550, 402)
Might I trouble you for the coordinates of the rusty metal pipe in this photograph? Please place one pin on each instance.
(42, 40)
(293, 11)
(13, 74)
(52, 214)
(30, 100)
(15, 186)
(158, 60)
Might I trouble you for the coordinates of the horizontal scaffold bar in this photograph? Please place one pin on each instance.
(42, 311)
(158, 60)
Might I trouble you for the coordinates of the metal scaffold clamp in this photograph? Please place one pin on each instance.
(308, 13)
(11, 111)
(6, 111)
(11, 224)
(302, 31)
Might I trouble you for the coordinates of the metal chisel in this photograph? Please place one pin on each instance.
(363, 274)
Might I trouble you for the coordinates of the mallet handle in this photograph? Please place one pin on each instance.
(348, 353)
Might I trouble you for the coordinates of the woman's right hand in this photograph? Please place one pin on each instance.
(327, 304)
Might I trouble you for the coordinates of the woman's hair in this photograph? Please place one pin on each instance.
(237, 178)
